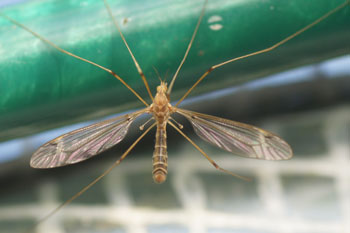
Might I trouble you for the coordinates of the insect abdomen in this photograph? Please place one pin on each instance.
(160, 155)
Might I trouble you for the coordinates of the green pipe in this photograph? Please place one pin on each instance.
(41, 88)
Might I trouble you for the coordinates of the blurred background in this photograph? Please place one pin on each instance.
(300, 91)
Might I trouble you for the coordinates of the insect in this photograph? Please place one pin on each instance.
(235, 137)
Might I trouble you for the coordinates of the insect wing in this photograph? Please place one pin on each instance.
(82, 143)
(238, 138)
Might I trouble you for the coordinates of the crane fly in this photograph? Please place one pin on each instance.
(235, 137)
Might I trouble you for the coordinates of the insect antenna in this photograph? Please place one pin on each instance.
(83, 190)
(166, 75)
(207, 156)
(264, 50)
(127, 46)
(156, 71)
(188, 48)
(75, 56)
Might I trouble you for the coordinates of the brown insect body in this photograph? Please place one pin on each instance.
(161, 110)
(234, 137)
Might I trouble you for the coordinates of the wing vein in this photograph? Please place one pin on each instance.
(238, 138)
(83, 143)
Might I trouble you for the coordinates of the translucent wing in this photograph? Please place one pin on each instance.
(238, 138)
(83, 143)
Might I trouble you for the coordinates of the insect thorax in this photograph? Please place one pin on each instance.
(161, 107)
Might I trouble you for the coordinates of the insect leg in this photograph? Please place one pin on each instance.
(127, 46)
(264, 50)
(207, 156)
(188, 48)
(116, 163)
(75, 56)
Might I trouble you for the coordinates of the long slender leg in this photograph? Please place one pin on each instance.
(207, 156)
(263, 50)
(116, 163)
(127, 46)
(188, 48)
(75, 56)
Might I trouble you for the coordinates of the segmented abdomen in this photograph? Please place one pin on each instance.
(160, 155)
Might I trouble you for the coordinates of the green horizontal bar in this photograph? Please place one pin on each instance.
(41, 88)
